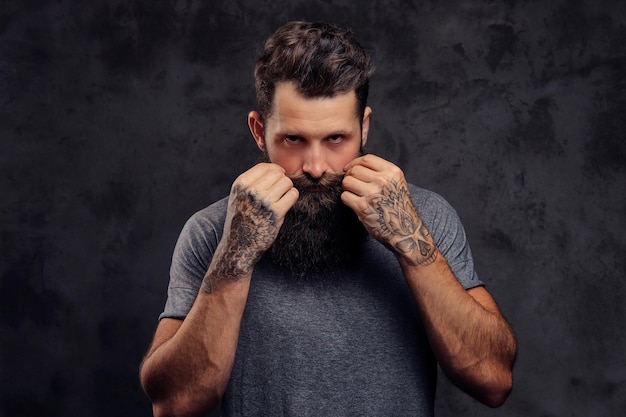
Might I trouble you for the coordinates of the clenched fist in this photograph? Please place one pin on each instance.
(258, 202)
(378, 193)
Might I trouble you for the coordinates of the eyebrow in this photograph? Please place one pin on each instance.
(341, 132)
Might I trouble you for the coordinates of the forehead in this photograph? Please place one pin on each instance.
(289, 106)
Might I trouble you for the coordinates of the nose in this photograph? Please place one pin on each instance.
(315, 163)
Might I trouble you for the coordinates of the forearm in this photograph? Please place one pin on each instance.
(469, 337)
(471, 340)
(189, 372)
(188, 367)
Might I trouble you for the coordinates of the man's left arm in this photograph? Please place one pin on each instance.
(470, 338)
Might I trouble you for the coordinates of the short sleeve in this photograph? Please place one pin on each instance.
(191, 258)
(445, 226)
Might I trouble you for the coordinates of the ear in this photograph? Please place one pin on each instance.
(255, 123)
(365, 127)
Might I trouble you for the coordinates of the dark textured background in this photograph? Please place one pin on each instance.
(120, 118)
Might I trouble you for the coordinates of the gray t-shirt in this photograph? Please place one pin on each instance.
(351, 344)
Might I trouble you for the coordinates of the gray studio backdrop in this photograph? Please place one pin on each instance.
(120, 118)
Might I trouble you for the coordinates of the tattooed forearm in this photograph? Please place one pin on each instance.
(251, 231)
(400, 226)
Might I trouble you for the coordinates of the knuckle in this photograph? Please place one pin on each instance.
(273, 167)
(238, 185)
(253, 192)
(364, 206)
(382, 182)
(397, 171)
(286, 181)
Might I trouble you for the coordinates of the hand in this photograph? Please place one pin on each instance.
(258, 202)
(378, 193)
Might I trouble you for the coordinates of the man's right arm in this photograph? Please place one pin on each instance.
(187, 368)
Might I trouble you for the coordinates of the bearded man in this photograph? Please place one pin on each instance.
(324, 284)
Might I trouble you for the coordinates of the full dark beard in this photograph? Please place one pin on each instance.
(319, 234)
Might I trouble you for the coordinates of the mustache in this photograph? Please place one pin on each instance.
(317, 194)
(305, 183)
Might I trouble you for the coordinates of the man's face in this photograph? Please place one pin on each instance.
(313, 139)
(311, 136)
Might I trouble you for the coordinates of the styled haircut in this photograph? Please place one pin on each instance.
(321, 59)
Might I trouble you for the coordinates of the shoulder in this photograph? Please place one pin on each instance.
(211, 217)
(427, 200)
(444, 224)
(204, 227)
(438, 215)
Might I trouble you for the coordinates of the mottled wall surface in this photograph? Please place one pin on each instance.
(120, 118)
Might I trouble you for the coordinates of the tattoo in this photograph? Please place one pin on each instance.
(251, 232)
(398, 221)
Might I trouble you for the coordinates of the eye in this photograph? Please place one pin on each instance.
(335, 138)
(293, 139)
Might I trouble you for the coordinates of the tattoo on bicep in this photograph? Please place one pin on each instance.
(399, 222)
(252, 230)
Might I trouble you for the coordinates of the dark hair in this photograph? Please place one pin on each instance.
(320, 58)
